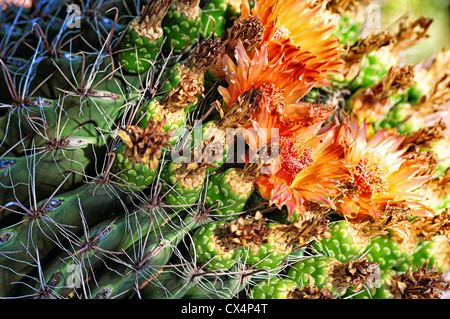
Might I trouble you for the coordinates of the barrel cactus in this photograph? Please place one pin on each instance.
(219, 149)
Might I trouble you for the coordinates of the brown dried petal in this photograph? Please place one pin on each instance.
(428, 227)
(310, 226)
(149, 23)
(366, 45)
(249, 30)
(423, 283)
(144, 144)
(423, 138)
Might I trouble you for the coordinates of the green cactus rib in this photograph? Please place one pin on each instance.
(276, 288)
(209, 250)
(213, 18)
(341, 245)
(50, 119)
(45, 226)
(228, 192)
(148, 261)
(200, 284)
(181, 28)
(210, 286)
(44, 173)
(109, 237)
(385, 251)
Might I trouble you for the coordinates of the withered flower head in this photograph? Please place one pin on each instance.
(144, 145)
(394, 219)
(365, 45)
(190, 8)
(437, 188)
(341, 6)
(250, 231)
(148, 24)
(410, 32)
(423, 138)
(207, 54)
(310, 292)
(436, 99)
(354, 273)
(422, 283)
(373, 103)
(428, 227)
(249, 30)
(309, 227)
(187, 92)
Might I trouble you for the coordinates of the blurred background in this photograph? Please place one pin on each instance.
(439, 10)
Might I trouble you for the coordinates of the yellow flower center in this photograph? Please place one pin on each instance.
(295, 157)
(281, 33)
(273, 98)
(369, 175)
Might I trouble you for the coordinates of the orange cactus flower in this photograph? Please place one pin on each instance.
(307, 26)
(380, 174)
(286, 79)
(309, 168)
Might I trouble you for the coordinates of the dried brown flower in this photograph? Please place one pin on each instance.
(423, 283)
(144, 145)
(354, 273)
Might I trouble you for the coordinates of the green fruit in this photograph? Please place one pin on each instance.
(183, 183)
(136, 176)
(175, 119)
(182, 25)
(143, 38)
(380, 292)
(385, 251)
(228, 191)
(139, 52)
(317, 269)
(276, 288)
(341, 245)
(268, 255)
(213, 248)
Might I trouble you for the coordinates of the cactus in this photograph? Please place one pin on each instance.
(219, 149)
